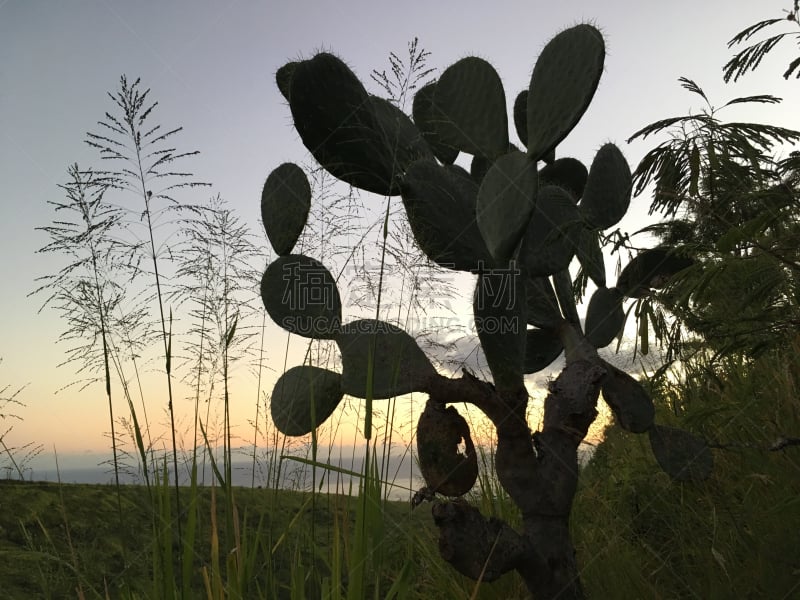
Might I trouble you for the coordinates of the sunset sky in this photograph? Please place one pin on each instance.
(211, 65)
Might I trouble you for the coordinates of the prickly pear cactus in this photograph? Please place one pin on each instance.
(513, 222)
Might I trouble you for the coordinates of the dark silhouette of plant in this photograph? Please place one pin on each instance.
(750, 58)
(145, 165)
(217, 282)
(516, 227)
(18, 456)
(730, 197)
(730, 207)
(85, 291)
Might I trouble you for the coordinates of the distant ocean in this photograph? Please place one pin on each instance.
(400, 488)
(401, 478)
(401, 475)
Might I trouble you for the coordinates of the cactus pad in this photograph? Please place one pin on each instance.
(470, 97)
(629, 401)
(562, 282)
(608, 189)
(541, 305)
(336, 120)
(398, 364)
(285, 202)
(590, 255)
(499, 308)
(542, 347)
(551, 236)
(283, 79)
(426, 116)
(301, 296)
(521, 116)
(562, 85)
(568, 173)
(604, 317)
(505, 202)
(440, 203)
(478, 167)
(303, 398)
(681, 455)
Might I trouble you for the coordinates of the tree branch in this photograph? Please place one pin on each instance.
(504, 410)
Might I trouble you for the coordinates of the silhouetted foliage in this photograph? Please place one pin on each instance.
(731, 205)
(750, 58)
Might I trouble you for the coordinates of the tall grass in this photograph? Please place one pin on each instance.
(145, 167)
(14, 459)
(84, 290)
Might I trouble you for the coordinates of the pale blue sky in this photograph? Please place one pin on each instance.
(211, 66)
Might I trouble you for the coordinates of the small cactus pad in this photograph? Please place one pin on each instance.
(499, 308)
(562, 85)
(441, 204)
(681, 455)
(283, 79)
(398, 364)
(426, 116)
(551, 236)
(650, 269)
(285, 202)
(608, 189)
(404, 139)
(505, 203)
(303, 398)
(590, 255)
(440, 432)
(541, 307)
(470, 96)
(568, 173)
(604, 317)
(335, 119)
(542, 347)
(301, 296)
(629, 401)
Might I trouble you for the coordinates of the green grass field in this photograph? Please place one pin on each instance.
(61, 541)
(638, 535)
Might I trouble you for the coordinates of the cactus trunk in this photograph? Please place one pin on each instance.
(539, 472)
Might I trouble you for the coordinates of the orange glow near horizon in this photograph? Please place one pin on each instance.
(66, 430)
